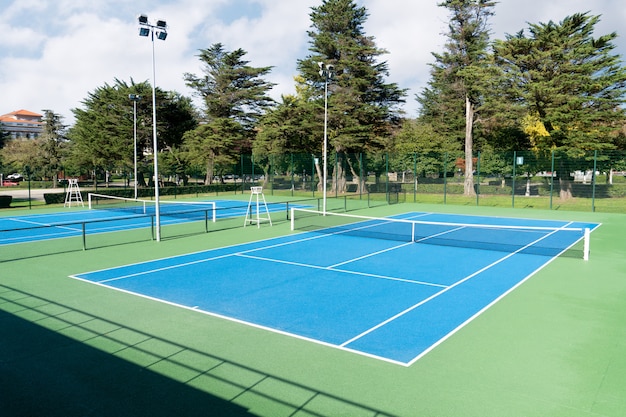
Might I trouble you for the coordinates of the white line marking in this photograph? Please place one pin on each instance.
(345, 271)
(370, 254)
(432, 297)
(184, 264)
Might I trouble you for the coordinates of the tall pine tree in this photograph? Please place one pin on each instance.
(53, 139)
(363, 107)
(235, 96)
(569, 79)
(571, 82)
(457, 87)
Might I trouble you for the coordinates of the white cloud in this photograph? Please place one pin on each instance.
(410, 31)
(514, 15)
(52, 54)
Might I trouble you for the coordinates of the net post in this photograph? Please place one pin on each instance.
(586, 244)
(89, 201)
(293, 218)
(84, 236)
(214, 212)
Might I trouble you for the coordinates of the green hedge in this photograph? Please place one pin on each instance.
(5, 201)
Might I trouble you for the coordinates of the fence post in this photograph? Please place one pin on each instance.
(336, 174)
(414, 177)
(552, 179)
(292, 168)
(313, 172)
(478, 178)
(387, 177)
(593, 181)
(445, 177)
(513, 180)
(241, 162)
(270, 174)
(362, 179)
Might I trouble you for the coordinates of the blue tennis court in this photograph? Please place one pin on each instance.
(389, 298)
(76, 222)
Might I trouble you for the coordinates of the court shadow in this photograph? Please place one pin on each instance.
(43, 373)
(59, 361)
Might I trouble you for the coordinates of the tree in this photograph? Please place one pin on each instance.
(363, 108)
(570, 85)
(235, 96)
(289, 128)
(53, 142)
(4, 136)
(179, 118)
(102, 136)
(22, 153)
(417, 147)
(43, 155)
(460, 72)
(214, 145)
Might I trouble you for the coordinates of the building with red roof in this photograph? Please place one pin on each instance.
(22, 124)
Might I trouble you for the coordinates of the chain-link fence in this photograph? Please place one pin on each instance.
(584, 180)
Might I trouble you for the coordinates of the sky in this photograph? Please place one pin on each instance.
(53, 53)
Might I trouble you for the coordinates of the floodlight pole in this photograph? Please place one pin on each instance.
(135, 98)
(145, 29)
(326, 71)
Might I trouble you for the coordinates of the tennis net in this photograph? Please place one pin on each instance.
(190, 210)
(535, 240)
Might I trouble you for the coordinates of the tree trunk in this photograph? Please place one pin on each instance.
(320, 175)
(565, 185)
(565, 192)
(361, 181)
(209, 172)
(468, 185)
(141, 180)
(339, 176)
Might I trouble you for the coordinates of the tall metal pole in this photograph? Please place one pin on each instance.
(135, 144)
(325, 172)
(157, 210)
(135, 98)
(326, 71)
(146, 29)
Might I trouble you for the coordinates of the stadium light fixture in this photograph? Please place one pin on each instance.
(135, 98)
(161, 33)
(327, 72)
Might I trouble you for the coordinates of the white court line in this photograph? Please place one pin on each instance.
(38, 237)
(18, 220)
(346, 271)
(291, 242)
(432, 297)
(369, 255)
(184, 264)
